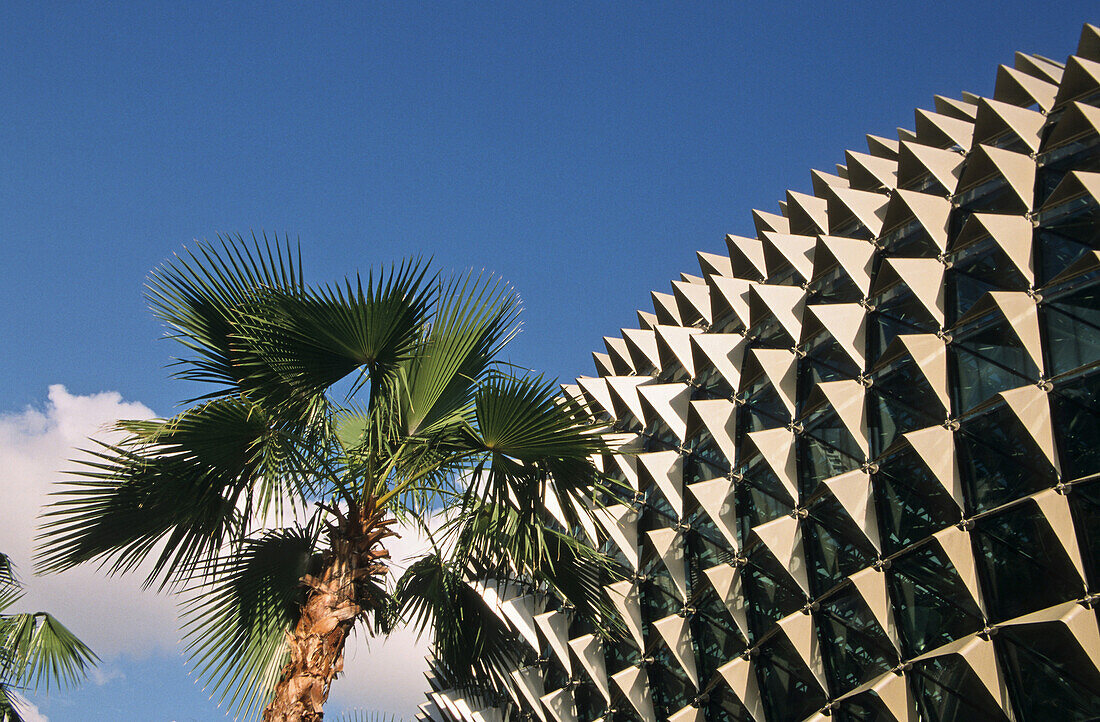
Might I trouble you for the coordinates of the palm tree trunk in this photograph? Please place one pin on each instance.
(335, 601)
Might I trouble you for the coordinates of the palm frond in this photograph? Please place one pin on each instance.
(9, 705)
(41, 651)
(433, 596)
(10, 588)
(200, 296)
(235, 626)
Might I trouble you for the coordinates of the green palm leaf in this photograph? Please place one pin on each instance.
(42, 651)
(235, 625)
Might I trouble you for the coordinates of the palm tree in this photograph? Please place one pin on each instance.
(332, 415)
(35, 649)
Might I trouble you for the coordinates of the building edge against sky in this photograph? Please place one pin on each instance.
(864, 447)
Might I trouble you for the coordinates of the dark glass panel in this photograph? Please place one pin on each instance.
(854, 645)
(902, 400)
(947, 690)
(978, 268)
(723, 706)
(911, 240)
(993, 196)
(1024, 568)
(770, 592)
(999, 460)
(931, 604)
(1065, 234)
(834, 286)
(1084, 499)
(825, 450)
(987, 360)
(1050, 677)
(1072, 326)
(835, 545)
(787, 685)
(911, 502)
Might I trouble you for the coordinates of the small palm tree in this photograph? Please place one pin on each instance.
(35, 649)
(334, 414)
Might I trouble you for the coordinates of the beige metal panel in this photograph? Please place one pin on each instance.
(765, 221)
(666, 470)
(676, 632)
(929, 352)
(674, 347)
(1055, 508)
(936, 448)
(553, 506)
(897, 696)
(1089, 44)
(624, 396)
(1029, 404)
(931, 211)
(781, 368)
(521, 611)
(621, 523)
(1013, 234)
(847, 398)
(778, 449)
(589, 651)
(664, 305)
(783, 537)
(726, 580)
(670, 403)
(871, 585)
(845, 322)
(868, 207)
(942, 130)
(1082, 624)
(822, 181)
(719, 417)
(1082, 77)
(1079, 120)
(1022, 314)
(620, 355)
(712, 264)
(960, 109)
(957, 546)
(747, 257)
(1040, 67)
(603, 364)
(741, 677)
(693, 301)
(732, 293)
(802, 632)
(924, 277)
(642, 347)
(882, 147)
(994, 117)
(716, 498)
(854, 256)
(782, 249)
(868, 172)
(554, 626)
(854, 492)
(807, 214)
(634, 682)
(529, 681)
(1019, 88)
(669, 545)
(646, 320)
(561, 705)
(915, 160)
(1074, 184)
(688, 714)
(1016, 168)
(981, 657)
(723, 351)
(624, 595)
(599, 392)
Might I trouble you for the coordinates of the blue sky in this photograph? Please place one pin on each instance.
(584, 152)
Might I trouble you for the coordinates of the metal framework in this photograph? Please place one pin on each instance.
(864, 447)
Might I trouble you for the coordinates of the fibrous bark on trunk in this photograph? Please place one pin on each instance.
(336, 598)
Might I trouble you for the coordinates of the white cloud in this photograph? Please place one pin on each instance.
(113, 614)
(27, 710)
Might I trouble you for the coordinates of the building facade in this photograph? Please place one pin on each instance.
(863, 446)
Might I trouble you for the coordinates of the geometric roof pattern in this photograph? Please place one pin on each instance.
(863, 446)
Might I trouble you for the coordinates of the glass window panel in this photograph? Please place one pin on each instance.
(999, 460)
(854, 645)
(1050, 677)
(947, 690)
(911, 503)
(931, 604)
(787, 685)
